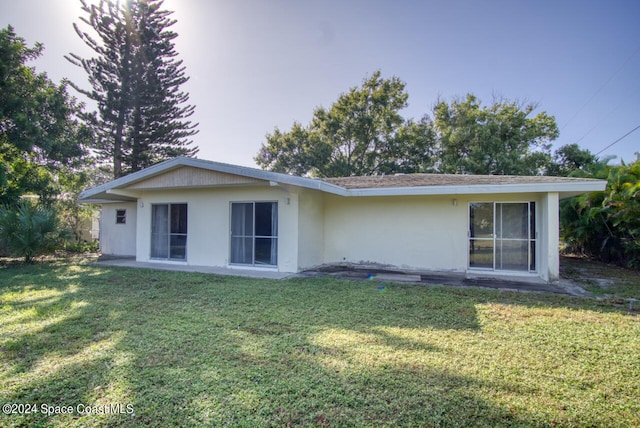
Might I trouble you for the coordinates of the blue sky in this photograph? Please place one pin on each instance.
(256, 65)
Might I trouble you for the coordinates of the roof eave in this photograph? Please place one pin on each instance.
(99, 200)
(571, 189)
(565, 189)
(160, 168)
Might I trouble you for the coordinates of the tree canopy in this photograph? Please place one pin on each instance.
(570, 159)
(135, 80)
(499, 140)
(362, 133)
(39, 130)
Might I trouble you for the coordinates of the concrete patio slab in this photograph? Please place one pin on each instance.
(376, 273)
(250, 273)
(384, 274)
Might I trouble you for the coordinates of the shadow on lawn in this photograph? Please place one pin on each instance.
(189, 349)
(274, 375)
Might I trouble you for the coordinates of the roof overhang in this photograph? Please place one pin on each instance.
(117, 190)
(565, 190)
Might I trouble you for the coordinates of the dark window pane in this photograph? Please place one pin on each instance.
(532, 256)
(178, 247)
(121, 216)
(266, 219)
(179, 218)
(266, 251)
(532, 219)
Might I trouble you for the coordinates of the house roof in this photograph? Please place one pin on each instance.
(116, 190)
(421, 180)
(127, 188)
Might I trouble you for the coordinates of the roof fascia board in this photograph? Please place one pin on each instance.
(102, 201)
(580, 187)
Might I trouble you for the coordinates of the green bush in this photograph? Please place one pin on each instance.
(81, 247)
(29, 229)
(606, 225)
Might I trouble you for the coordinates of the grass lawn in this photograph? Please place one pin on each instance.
(186, 349)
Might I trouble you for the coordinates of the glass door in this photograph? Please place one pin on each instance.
(481, 235)
(254, 233)
(502, 236)
(512, 236)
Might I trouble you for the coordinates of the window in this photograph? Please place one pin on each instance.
(121, 216)
(169, 231)
(502, 236)
(254, 233)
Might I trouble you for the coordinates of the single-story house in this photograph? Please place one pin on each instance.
(204, 213)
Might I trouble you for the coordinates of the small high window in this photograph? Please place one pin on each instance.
(121, 216)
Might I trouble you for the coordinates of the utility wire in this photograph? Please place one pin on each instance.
(601, 88)
(619, 139)
(603, 118)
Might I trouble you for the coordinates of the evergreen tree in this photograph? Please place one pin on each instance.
(142, 115)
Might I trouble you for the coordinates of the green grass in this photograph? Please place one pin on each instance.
(201, 350)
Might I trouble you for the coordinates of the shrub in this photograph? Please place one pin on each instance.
(81, 247)
(29, 229)
(606, 225)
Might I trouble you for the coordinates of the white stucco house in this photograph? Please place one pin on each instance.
(203, 213)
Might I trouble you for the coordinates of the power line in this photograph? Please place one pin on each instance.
(602, 119)
(600, 88)
(619, 139)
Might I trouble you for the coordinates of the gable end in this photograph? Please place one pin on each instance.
(192, 177)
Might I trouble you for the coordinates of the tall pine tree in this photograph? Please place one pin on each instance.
(135, 77)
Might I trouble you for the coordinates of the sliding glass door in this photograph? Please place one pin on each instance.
(169, 231)
(502, 236)
(254, 233)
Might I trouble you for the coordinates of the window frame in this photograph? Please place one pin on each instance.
(254, 236)
(169, 233)
(532, 238)
(121, 216)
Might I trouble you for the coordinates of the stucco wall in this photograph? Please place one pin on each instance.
(208, 217)
(118, 239)
(409, 232)
(414, 232)
(310, 229)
